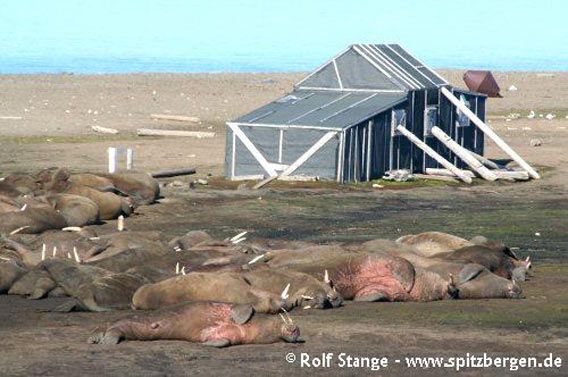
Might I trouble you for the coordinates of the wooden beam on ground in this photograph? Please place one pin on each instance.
(309, 153)
(464, 154)
(490, 133)
(176, 118)
(173, 173)
(435, 155)
(153, 132)
(519, 175)
(105, 130)
(490, 164)
(451, 178)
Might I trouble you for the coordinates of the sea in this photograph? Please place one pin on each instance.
(124, 36)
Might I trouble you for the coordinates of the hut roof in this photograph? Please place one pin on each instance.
(323, 109)
(373, 67)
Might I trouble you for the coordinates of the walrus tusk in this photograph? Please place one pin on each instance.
(177, 248)
(71, 229)
(94, 238)
(256, 259)
(4, 258)
(326, 277)
(307, 307)
(284, 295)
(43, 250)
(177, 268)
(238, 236)
(452, 279)
(120, 223)
(283, 319)
(288, 316)
(307, 297)
(16, 231)
(77, 259)
(54, 251)
(24, 207)
(238, 241)
(69, 255)
(183, 270)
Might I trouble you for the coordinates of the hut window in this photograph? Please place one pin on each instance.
(398, 119)
(430, 119)
(461, 119)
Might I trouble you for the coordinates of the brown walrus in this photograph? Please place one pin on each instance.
(212, 324)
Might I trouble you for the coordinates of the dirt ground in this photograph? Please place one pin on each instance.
(530, 217)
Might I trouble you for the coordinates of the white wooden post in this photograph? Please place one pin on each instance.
(490, 133)
(112, 159)
(432, 153)
(463, 153)
(129, 159)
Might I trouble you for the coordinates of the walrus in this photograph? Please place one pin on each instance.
(10, 271)
(31, 220)
(356, 276)
(432, 243)
(141, 186)
(205, 286)
(208, 323)
(112, 291)
(34, 284)
(110, 205)
(496, 257)
(77, 210)
(467, 280)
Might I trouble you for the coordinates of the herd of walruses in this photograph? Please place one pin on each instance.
(216, 292)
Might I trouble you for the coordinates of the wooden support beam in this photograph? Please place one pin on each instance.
(490, 164)
(309, 153)
(490, 133)
(252, 149)
(464, 154)
(432, 153)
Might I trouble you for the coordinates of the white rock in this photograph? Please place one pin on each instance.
(550, 116)
(531, 115)
(376, 185)
(535, 142)
(512, 88)
(537, 234)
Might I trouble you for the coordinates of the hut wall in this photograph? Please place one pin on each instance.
(294, 143)
(468, 135)
(405, 155)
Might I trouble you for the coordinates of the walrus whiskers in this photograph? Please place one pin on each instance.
(16, 231)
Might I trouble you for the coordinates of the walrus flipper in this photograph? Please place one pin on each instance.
(218, 343)
(241, 314)
(469, 272)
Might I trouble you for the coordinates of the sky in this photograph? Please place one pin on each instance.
(264, 35)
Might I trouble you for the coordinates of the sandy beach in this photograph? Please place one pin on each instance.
(46, 120)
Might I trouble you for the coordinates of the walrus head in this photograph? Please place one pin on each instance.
(523, 270)
(289, 332)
